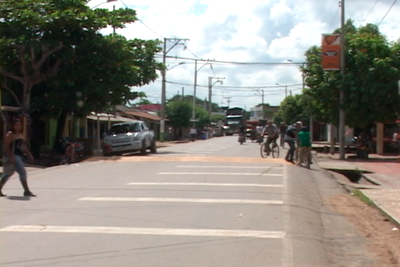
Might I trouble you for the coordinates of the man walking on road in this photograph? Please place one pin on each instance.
(290, 138)
(282, 132)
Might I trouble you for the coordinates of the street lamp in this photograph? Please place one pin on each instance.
(163, 74)
(285, 88)
(108, 1)
(180, 63)
(194, 88)
(210, 85)
(302, 65)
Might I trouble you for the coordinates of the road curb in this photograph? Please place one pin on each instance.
(362, 194)
(377, 206)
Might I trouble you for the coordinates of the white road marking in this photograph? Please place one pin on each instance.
(203, 152)
(184, 200)
(220, 173)
(142, 231)
(211, 184)
(182, 154)
(232, 167)
(206, 149)
(287, 252)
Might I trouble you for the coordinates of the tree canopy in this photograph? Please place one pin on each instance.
(179, 113)
(370, 84)
(53, 52)
(292, 109)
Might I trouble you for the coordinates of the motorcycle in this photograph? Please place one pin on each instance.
(72, 151)
(242, 138)
(363, 147)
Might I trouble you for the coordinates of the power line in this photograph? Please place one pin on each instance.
(370, 11)
(238, 63)
(150, 29)
(143, 22)
(334, 18)
(394, 2)
(237, 87)
(192, 53)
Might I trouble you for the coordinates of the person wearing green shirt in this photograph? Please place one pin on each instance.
(304, 145)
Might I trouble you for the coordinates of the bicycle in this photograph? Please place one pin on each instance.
(306, 159)
(274, 150)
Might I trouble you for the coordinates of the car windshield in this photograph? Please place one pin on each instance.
(124, 128)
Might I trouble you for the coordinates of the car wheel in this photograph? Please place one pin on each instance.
(143, 150)
(153, 147)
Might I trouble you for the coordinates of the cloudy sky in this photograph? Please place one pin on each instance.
(256, 46)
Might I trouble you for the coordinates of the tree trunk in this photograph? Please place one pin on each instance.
(333, 138)
(59, 133)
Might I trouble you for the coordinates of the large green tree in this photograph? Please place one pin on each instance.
(179, 114)
(292, 109)
(370, 83)
(54, 58)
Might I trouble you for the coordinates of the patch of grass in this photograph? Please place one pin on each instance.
(362, 197)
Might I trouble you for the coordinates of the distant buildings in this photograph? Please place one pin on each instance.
(265, 112)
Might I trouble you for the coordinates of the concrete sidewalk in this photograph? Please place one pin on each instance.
(379, 183)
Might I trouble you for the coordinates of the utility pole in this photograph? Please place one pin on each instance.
(262, 103)
(285, 89)
(176, 41)
(113, 26)
(194, 90)
(228, 100)
(342, 72)
(194, 87)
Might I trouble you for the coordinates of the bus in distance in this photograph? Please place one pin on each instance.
(234, 119)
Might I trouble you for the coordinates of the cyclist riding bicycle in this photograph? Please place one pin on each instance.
(259, 130)
(272, 132)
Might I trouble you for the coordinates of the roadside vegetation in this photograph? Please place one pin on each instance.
(56, 62)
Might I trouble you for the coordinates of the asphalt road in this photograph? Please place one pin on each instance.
(209, 203)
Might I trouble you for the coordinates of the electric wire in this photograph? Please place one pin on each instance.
(192, 52)
(370, 11)
(236, 87)
(394, 2)
(141, 21)
(238, 63)
(334, 18)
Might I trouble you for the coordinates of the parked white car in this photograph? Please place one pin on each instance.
(129, 137)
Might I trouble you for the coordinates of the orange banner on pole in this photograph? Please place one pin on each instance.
(330, 51)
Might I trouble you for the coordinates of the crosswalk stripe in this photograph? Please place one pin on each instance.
(211, 184)
(183, 200)
(231, 167)
(142, 231)
(220, 173)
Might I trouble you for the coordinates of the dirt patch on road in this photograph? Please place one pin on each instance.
(190, 158)
(384, 239)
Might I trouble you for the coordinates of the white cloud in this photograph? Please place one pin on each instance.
(245, 31)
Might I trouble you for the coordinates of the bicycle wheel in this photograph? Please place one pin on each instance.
(306, 162)
(275, 150)
(262, 150)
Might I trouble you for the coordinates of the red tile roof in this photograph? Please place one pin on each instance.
(150, 107)
(141, 114)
